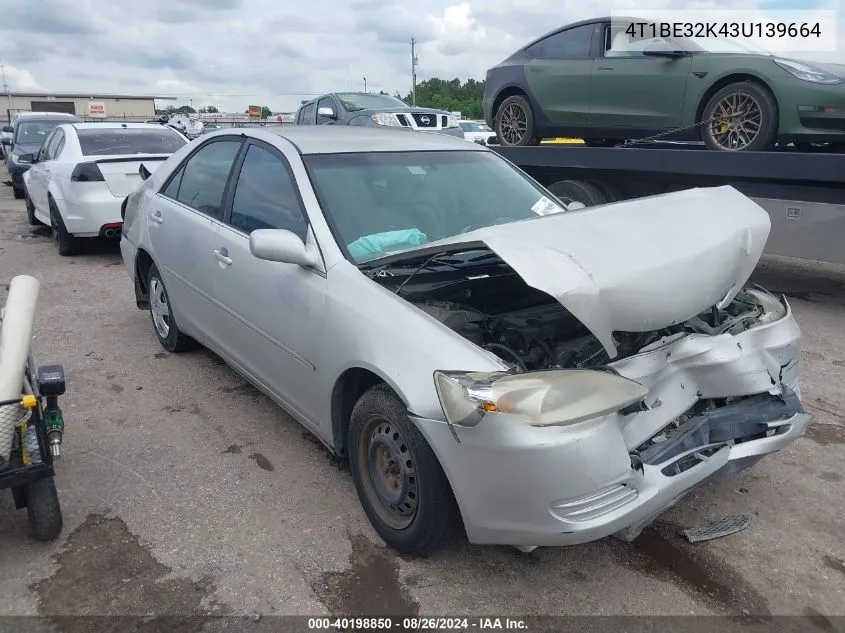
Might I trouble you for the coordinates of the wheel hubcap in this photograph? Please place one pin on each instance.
(159, 307)
(739, 119)
(513, 123)
(392, 474)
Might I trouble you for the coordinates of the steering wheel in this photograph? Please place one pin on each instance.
(500, 220)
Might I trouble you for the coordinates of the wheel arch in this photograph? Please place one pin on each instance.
(348, 388)
(508, 91)
(732, 78)
(143, 263)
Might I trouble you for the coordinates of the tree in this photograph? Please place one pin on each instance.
(266, 112)
(451, 95)
(185, 110)
(208, 109)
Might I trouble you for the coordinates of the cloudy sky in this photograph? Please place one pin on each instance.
(232, 53)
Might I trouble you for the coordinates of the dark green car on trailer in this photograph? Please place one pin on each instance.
(594, 80)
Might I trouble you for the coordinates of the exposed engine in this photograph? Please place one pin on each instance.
(547, 336)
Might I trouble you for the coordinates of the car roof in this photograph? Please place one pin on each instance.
(117, 125)
(339, 139)
(47, 115)
(607, 18)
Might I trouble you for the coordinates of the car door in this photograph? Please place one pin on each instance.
(558, 74)
(309, 113)
(274, 311)
(182, 222)
(39, 177)
(631, 89)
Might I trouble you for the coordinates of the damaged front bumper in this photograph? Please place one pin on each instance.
(716, 405)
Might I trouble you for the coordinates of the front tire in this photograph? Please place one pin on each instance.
(19, 192)
(514, 122)
(399, 481)
(44, 509)
(746, 116)
(30, 211)
(169, 335)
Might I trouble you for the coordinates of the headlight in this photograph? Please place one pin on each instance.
(543, 398)
(386, 118)
(806, 72)
(14, 158)
(451, 121)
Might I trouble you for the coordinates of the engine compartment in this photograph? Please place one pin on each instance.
(495, 309)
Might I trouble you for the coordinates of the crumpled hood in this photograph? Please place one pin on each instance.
(639, 265)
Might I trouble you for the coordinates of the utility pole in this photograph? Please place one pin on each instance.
(365, 84)
(414, 63)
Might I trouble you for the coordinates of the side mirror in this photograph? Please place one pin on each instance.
(144, 172)
(279, 245)
(26, 158)
(326, 112)
(8, 129)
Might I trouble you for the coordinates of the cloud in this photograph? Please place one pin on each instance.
(231, 53)
(20, 79)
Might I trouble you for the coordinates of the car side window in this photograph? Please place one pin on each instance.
(44, 150)
(569, 44)
(172, 188)
(308, 112)
(266, 196)
(326, 102)
(618, 42)
(53, 146)
(204, 176)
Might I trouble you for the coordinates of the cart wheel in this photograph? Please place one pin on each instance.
(44, 509)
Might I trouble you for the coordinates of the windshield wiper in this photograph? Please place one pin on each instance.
(422, 266)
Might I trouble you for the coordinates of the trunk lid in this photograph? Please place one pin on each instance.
(122, 174)
(639, 265)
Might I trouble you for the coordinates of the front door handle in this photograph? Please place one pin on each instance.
(155, 216)
(605, 67)
(222, 256)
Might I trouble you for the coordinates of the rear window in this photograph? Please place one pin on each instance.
(129, 141)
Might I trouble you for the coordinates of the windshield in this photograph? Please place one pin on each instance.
(474, 126)
(101, 142)
(34, 132)
(354, 101)
(383, 203)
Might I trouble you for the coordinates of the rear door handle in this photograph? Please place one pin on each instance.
(222, 256)
(155, 216)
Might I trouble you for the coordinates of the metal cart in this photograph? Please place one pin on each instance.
(35, 423)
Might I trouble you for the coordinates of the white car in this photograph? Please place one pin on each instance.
(84, 171)
(476, 131)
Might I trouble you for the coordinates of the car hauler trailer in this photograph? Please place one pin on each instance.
(804, 193)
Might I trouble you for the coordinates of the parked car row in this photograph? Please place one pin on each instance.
(481, 354)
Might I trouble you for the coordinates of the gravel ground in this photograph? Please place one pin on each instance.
(187, 492)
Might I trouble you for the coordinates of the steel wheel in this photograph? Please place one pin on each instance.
(159, 307)
(391, 478)
(740, 119)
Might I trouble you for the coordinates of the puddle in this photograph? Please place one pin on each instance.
(369, 587)
(103, 570)
(660, 554)
(263, 462)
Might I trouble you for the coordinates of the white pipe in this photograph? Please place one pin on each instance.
(15, 337)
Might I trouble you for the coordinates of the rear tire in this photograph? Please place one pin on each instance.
(66, 244)
(44, 509)
(399, 481)
(168, 333)
(514, 122)
(568, 191)
(19, 193)
(752, 98)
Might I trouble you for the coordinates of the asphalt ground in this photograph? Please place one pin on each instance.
(186, 492)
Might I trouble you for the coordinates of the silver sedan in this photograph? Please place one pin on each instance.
(478, 351)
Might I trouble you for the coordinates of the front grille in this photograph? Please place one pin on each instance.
(425, 120)
(443, 121)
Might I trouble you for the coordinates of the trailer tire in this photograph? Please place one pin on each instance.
(766, 105)
(517, 107)
(44, 509)
(568, 191)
